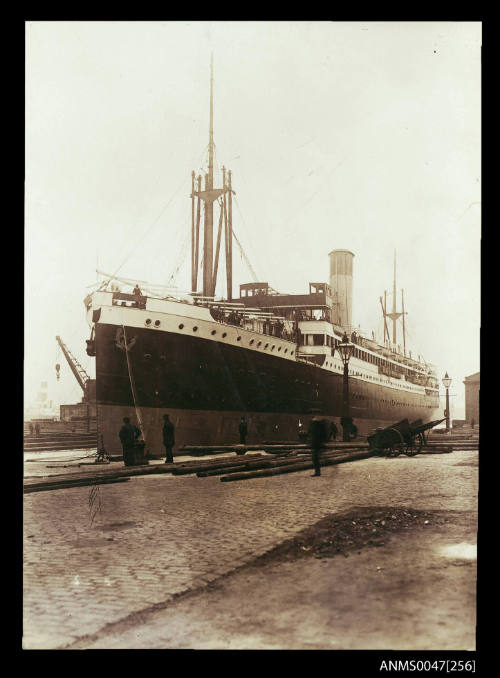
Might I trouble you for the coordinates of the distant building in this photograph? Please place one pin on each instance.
(472, 398)
(77, 412)
(43, 408)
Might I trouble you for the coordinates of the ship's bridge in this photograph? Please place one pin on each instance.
(317, 305)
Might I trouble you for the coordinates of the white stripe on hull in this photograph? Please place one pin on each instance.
(184, 319)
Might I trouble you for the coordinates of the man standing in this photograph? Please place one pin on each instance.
(318, 434)
(128, 434)
(137, 291)
(333, 431)
(243, 429)
(31, 429)
(168, 439)
(37, 429)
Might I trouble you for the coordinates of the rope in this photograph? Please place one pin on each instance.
(143, 237)
(132, 384)
(181, 259)
(87, 456)
(243, 253)
(104, 283)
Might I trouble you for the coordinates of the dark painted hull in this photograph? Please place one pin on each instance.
(206, 386)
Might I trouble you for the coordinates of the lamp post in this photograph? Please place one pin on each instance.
(446, 383)
(345, 349)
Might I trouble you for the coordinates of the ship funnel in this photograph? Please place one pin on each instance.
(341, 284)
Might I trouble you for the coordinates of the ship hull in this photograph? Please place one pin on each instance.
(206, 386)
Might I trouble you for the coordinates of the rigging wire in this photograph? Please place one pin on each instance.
(156, 220)
(181, 259)
(244, 256)
(144, 236)
(243, 253)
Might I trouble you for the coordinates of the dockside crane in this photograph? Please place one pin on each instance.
(79, 372)
(88, 387)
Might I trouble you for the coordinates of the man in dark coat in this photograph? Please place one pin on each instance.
(333, 431)
(168, 439)
(137, 291)
(243, 429)
(318, 435)
(128, 435)
(32, 429)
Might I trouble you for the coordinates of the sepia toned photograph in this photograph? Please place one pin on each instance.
(252, 335)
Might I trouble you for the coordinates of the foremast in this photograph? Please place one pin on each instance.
(210, 195)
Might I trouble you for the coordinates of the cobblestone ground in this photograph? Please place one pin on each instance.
(93, 559)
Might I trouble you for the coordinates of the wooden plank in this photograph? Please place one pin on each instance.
(291, 468)
(63, 486)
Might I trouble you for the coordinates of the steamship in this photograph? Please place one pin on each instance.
(268, 356)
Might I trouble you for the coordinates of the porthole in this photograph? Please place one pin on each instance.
(181, 326)
(286, 350)
(157, 323)
(238, 338)
(195, 329)
(251, 341)
(279, 348)
(291, 352)
(212, 332)
(224, 334)
(259, 343)
(148, 321)
(272, 347)
(266, 345)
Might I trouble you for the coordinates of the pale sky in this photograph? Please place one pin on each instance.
(363, 136)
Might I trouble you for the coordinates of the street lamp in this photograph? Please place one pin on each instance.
(447, 383)
(346, 350)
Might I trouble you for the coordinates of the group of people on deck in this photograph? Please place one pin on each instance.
(274, 328)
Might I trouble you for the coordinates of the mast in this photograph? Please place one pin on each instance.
(394, 315)
(208, 235)
(217, 248)
(193, 236)
(211, 128)
(209, 195)
(229, 259)
(403, 315)
(394, 303)
(386, 331)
